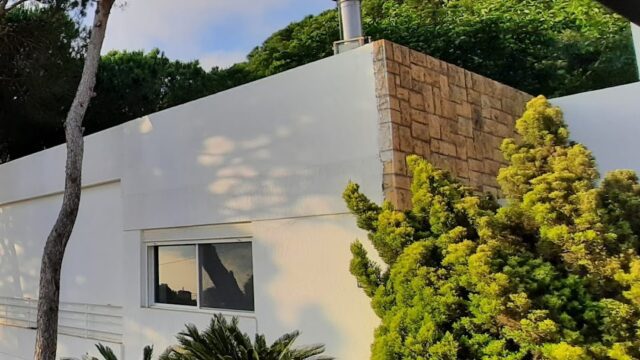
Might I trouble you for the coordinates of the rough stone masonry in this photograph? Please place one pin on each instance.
(452, 117)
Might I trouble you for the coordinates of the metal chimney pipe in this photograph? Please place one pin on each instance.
(351, 18)
(351, 26)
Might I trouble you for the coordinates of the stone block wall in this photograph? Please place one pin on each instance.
(454, 118)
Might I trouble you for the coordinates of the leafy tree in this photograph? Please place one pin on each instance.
(299, 43)
(553, 274)
(554, 47)
(79, 6)
(132, 84)
(41, 57)
(225, 341)
(129, 84)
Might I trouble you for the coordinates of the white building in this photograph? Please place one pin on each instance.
(260, 167)
(232, 203)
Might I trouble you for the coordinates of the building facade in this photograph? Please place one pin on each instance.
(232, 203)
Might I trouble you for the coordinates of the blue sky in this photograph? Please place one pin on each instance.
(216, 32)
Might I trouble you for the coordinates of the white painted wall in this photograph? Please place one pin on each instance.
(270, 149)
(607, 121)
(92, 274)
(276, 153)
(24, 225)
(635, 32)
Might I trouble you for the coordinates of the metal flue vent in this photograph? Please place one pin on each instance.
(351, 25)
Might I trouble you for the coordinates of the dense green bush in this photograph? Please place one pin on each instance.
(552, 274)
(225, 341)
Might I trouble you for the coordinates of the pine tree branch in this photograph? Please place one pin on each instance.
(14, 5)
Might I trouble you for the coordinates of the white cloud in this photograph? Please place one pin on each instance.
(222, 59)
(216, 32)
(178, 27)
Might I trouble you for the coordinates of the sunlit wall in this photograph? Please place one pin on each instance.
(273, 155)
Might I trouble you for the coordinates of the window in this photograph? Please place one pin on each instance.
(212, 275)
(176, 275)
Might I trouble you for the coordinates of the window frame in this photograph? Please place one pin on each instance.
(150, 278)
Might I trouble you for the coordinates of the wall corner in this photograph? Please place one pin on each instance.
(452, 117)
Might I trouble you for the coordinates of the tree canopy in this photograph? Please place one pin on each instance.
(551, 47)
(132, 84)
(552, 274)
(44, 49)
(41, 57)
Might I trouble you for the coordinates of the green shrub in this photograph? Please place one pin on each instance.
(553, 274)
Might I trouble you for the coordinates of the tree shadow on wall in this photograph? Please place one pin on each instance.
(225, 292)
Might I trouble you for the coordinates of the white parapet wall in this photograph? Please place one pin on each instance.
(635, 32)
(607, 121)
(264, 163)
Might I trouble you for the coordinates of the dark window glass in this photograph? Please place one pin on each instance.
(226, 276)
(176, 275)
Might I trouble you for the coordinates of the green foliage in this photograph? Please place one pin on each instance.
(553, 274)
(133, 84)
(299, 43)
(553, 47)
(40, 53)
(108, 354)
(129, 84)
(223, 340)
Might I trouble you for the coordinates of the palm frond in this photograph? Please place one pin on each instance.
(223, 340)
(106, 352)
(147, 352)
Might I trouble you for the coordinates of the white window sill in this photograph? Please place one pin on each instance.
(194, 309)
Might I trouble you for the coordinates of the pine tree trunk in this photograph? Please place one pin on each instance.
(49, 292)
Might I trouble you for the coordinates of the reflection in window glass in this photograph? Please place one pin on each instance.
(226, 276)
(176, 275)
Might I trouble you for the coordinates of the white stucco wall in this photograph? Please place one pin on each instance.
(635, 32)
(607, 121)
(92, 274)
(270, 149)
(276, 154)
(24, 225)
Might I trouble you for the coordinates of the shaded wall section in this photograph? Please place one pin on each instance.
(454, 118)
(607, 121)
